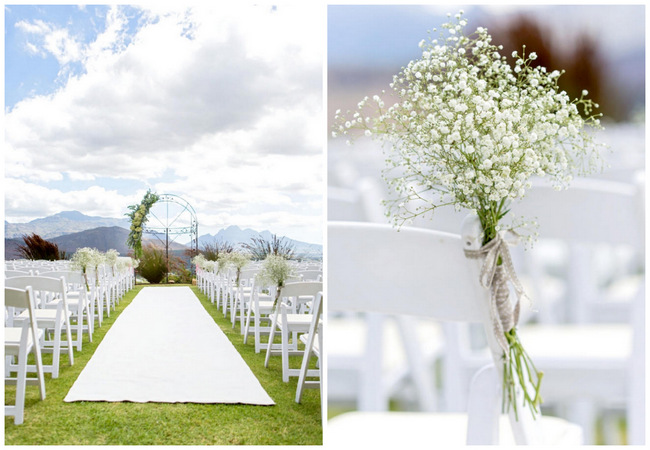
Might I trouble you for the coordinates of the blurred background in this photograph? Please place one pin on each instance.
(586, 273)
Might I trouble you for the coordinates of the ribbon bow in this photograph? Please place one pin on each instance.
(495, 275)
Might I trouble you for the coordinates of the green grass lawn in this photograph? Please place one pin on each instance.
(54, 422)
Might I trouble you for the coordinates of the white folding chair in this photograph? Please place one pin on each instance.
(290, 324)
(54, 320)
(375, 268)
(589, 365)
(313, 347)
(81, 309)
(242, 295)
(20, 341)
(259, 313)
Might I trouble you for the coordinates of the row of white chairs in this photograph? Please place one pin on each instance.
(62, 305)
(296, 317)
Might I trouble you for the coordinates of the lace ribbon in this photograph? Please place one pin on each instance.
(495, 277)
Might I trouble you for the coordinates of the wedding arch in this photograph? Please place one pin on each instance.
(170, 218)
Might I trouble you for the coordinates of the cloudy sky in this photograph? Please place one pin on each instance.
(222, 107)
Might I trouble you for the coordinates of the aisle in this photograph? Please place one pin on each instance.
(165, 347)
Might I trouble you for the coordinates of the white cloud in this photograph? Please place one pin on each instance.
(227, 100)
(29, 201)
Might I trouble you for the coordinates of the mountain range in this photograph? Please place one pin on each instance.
(71, 230)
(65, 222)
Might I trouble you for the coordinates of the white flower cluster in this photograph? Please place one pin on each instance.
(199, 261)
(111, 257)
(469, 126)
(87, 259)
(275, 271)
(237, 259)
(205, 264)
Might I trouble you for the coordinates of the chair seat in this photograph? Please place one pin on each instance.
(297, 322)
(265, 307)
(578, 345)
(44, 317)
(412, 430)
(73, 303)
(12, 340)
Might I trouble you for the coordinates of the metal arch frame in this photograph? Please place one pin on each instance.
(167, 231)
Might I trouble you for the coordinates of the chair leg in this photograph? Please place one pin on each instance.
(285, 353)
(80, 329)
(258, 336)
(91, 323)
(241, 316)
(68, 335)
(56, 351)
(21, 382)
(233, 311)
(39, 369)
(248, 323)
(304, 367)
(270, 344)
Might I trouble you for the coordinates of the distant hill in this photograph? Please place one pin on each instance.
(236, 236)
(101, 238)
(62, 223)
(71, 230)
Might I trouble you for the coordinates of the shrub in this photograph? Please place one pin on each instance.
(260, 248)
(153, 265)
(212, 251)
(38, 248)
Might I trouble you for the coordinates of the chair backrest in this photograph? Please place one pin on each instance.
(40, 284)
(590, 211)
(301, 288)
(310, 275)
(17, 273)
(246, 275)
(376, 268)
(71, 276)
(24, 299)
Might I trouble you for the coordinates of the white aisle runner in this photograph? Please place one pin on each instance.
(166, 348)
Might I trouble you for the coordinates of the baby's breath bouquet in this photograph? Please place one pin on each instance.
(199, 261)
(238, 260)
(110, 258)
(465, 128)
(86, 259)
(275, 271)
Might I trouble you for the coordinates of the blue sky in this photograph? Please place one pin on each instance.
(221, 106)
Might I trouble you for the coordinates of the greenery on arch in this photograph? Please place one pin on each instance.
(138, 216)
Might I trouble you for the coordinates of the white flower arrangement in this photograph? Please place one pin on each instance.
(469, 130)
(209, 266)
(222, 262)
(110, 257)
(87, 259)
(275, 271)
(238, 260)
(199, 261)
(473, 129)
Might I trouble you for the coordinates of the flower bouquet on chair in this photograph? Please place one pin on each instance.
(466, 128)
